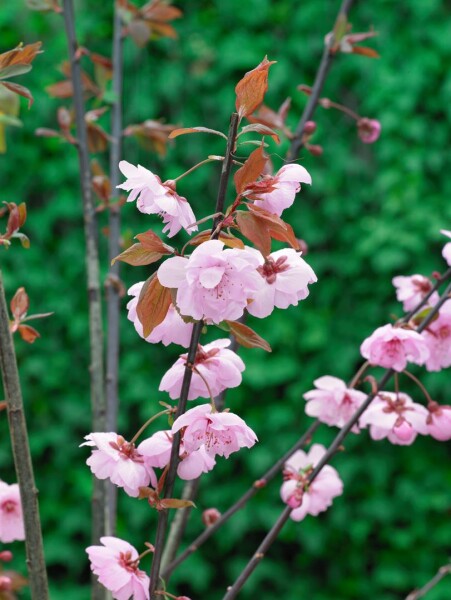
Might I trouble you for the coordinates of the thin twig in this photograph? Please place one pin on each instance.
(22, 457)
(100, 520)
(174, 460)
(321, 74)
(113, 287)
(441, 574)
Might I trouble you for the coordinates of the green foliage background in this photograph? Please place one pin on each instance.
(372, 213)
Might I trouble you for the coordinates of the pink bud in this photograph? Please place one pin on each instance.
(6, 583)
(6, 556)
(314, 149)
(310, 127)
(295, 500)
(403, 430)
(210, 516)
(369, 130)
(260, 483)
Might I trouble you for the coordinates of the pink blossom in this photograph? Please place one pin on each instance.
(285, 278)
(333, 402)
(439, 421)
(220, 367)
(396, 417)
(369, 130)
(446, 252)
(307, 498)
(154, 197)
(438, 340)
(172, 330)
(212, 283)
(222, 433)
(276, 193)
(116, 566)
(392, 347)
(118, 460)
(411, 290)
(157, 450)
(11, 518)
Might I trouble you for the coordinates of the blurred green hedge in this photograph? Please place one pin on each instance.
(373, 212)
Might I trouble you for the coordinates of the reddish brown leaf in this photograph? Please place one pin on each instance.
(277, 228)
(229, 240)
(247, 337)
(22, 213)
(363, 50)
(19, 89)
(184, 130)
(61, 89)
(28, 333)
(19, 304)
(175, 503)
(262, 129)
(152, 242)
(138, 256)
(251, 170)
(250, 91)
(160, 11)
(153, 304)
(3, 405)
(13, 219)
(255, 230)
(22, 55)
(97, 138)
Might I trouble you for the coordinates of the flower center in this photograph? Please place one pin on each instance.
(271, 268)
(127, 563)
(9, 506)
(202, 356)
(422, 284)
(127, 451)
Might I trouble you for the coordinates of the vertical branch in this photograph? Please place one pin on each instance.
(181, 408)
(320, 78)
(100, 525)
(22, 457)
(113, 287)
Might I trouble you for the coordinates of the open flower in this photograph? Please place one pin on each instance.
(221, 433)
(118, 460)
(411, 290)
(307, 498)
(396, 417)
(286, 277)
(212, 283)
(116, 566)
(392, 347)
(154, 197)
(11, 518)
(333, 402)
(276, 193)
(438, 340)
(219, 367)
(439, 421)
(172, 330)
(446, 252)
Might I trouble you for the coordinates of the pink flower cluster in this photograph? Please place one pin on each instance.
(305, 498)
(393, 347)
(411, 290)
(11, 518)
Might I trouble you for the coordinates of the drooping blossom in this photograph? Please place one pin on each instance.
(369, 130)
(154, 197)
(116, 566)
(286, 277)
(437, 336)
(305, 498)
(222, 433)
(393, 347)
(212, 283)
(219, 367)
(276, 193)
(439, 421)
(157, 450)
(411, 290)
(396, 417)
(118, 460)
(172, 330)
(210, 516)
(446, 252)
(333, 402)
(11, 517)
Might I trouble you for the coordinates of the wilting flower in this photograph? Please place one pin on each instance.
(395, 416)
(219, 367)
(116, 566)
(11, 518)
(222, 433)
(286, 277)
(154, 197)
(213, 283)
(392, 347)
(276, 193)
(438, 340)
(411, 290)
(446, 252)
(439, 421)
(118, 460)
(172, 330)
(333, 402)
(304, 497)
(369, 130)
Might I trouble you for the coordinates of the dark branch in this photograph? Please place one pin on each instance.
(441, 574)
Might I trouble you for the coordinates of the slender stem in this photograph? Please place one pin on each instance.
(355, 380)
(343, 109)
(113, 287)
(212, 400)
(203, 162)
(22, 457)
(147, 423)
(195, 337)
(441, 574)
(321, 74)
(100, 517)
(420, 385)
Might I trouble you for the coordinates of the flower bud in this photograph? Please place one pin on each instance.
(309, 127)
(295, 500)
(6, 583)
(314, 149)
(210, 516)
(6, 556)
(368, 129)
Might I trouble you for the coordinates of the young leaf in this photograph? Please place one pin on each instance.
(247, 337)
(250, 91)
(176, 503)
(153, 304)
(137, 256)
(28, 333)
(184, 130)
(254, 230)
(262, 129)
(251, 170)
(151, 241)
(277, 227)
(19, 304)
